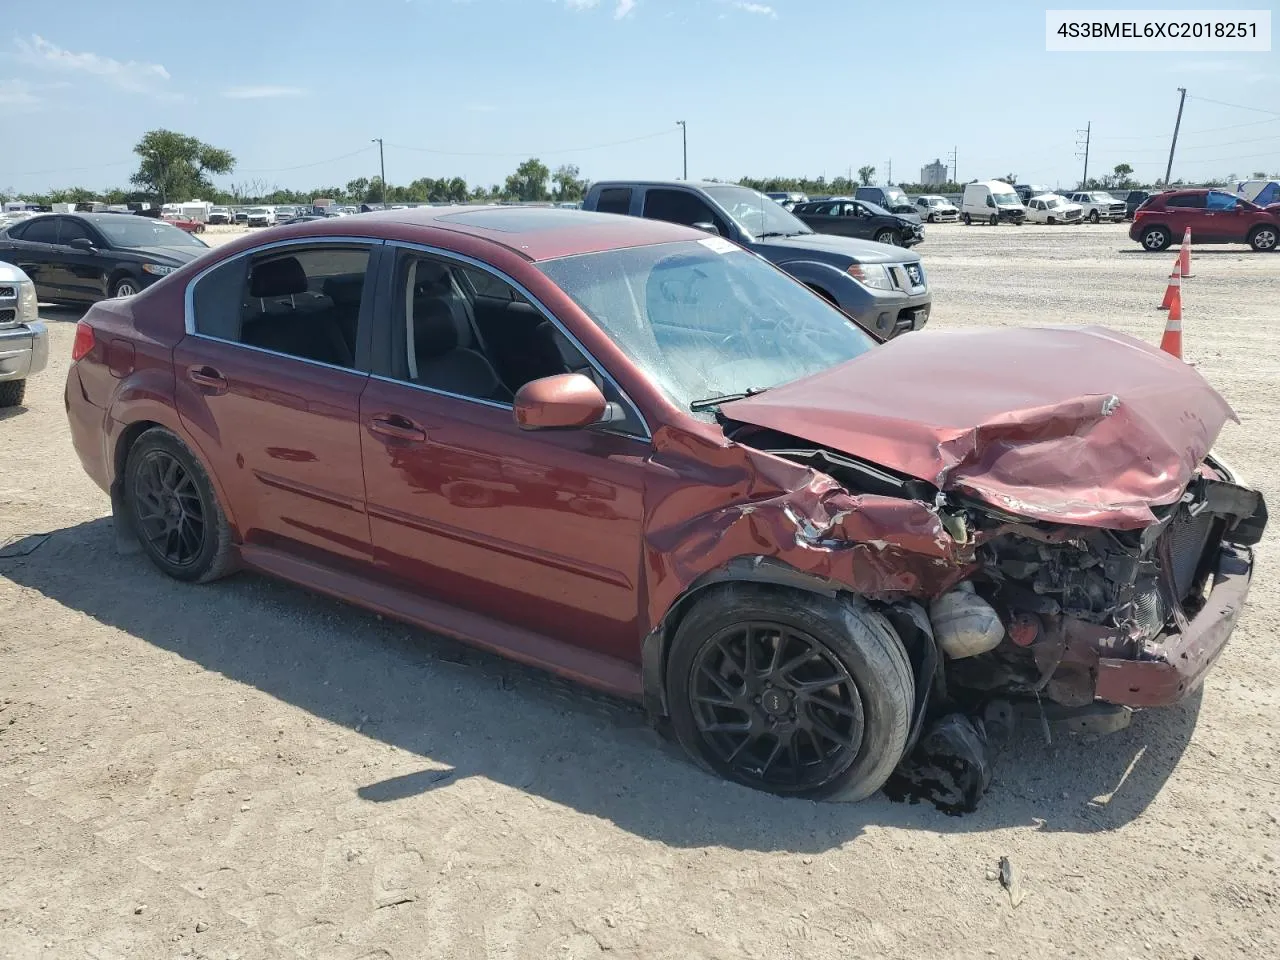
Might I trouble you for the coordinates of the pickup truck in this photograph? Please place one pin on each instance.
(24, 341)
(883, 288)
(1098, 205)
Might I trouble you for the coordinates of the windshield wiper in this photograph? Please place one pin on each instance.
(779, 233)
(697, 406)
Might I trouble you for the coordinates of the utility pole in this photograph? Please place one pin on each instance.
(1087, 133)
(889, 174)
(1168, 171)
(684, 141)
(382, 166)
(954, 158)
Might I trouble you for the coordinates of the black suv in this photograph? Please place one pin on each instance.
(883, 288)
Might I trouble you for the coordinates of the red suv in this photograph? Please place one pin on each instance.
(1214, 216)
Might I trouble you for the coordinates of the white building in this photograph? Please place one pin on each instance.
(933, 174)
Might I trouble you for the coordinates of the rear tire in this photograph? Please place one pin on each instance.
(12, 392)
(840, 739)
(171, 505)
(1263, 239)
(1156, 239)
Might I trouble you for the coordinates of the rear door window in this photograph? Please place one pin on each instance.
(41, 230)
(1194, 201)
(614, 200)
(302, 302)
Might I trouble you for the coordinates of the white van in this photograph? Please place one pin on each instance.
(991, 201)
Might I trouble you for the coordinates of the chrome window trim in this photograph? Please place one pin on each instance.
(286, 356)
(541, 308)
(189, 311)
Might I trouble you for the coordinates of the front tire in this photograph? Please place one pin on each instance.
(994, 220)
(1093, 217)
(1052, 221)
(887, 236)
(932, 218)
(12, 392)
(1156, 239)
(171, 505)
(968, 220)
(792, 693)
(1263, 239)
(125, 287)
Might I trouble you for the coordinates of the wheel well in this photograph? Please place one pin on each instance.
(759, 571)
(825, 295)
(1259, 226)
(127, 439)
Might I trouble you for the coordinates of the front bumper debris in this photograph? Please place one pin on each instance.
(1174, 668)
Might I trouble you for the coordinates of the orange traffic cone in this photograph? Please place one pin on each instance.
(1184, 255)
(1173, 290)
(1171, 342)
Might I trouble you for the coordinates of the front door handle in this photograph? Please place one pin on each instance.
(206, 376)
(395, 426)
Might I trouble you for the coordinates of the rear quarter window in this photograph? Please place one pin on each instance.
(614, 200)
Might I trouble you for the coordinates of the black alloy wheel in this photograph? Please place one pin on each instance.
(168, 509)
(775, 706)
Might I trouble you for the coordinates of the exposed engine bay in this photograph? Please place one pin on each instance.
(1045, 608)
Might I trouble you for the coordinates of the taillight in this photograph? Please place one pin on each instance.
(83, 342)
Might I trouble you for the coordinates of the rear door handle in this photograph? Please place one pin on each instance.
(203, 375)
(397, 427)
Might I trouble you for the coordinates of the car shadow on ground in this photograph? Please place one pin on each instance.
(466, 714)
(56, 314)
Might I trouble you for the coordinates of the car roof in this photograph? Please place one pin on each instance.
(535, 233)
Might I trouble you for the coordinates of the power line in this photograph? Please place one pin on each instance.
(533, 153)
(304, 166)
(1237, 106)
(96, 166)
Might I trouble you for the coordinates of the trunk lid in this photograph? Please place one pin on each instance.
(1078, 425)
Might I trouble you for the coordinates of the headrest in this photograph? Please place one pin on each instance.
(344, 291)
(439, 325)
(278, 278)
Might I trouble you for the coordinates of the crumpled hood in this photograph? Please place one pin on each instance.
(1078, 425)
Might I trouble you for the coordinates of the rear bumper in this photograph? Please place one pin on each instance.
(24, 350)
(1175, 665)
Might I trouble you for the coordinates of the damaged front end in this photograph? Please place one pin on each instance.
(1072, 625)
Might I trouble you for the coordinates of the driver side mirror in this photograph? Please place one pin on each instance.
(564, 401)
(707, 227)
(82, 243)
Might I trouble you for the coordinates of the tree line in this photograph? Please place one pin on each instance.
(175, 167)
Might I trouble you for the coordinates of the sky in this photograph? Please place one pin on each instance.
(297, 89)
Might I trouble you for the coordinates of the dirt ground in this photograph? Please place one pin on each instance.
(245, 770)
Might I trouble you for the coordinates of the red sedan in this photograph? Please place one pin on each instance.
(189, 224)
(646, 459)
(1213, 216)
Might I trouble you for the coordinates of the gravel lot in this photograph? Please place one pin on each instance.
(246, 770)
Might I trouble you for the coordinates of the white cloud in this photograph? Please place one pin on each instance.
(17, 93)
(131, 75)
(757, 8)
(262, 92)
(581, 4)
(623, 8)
